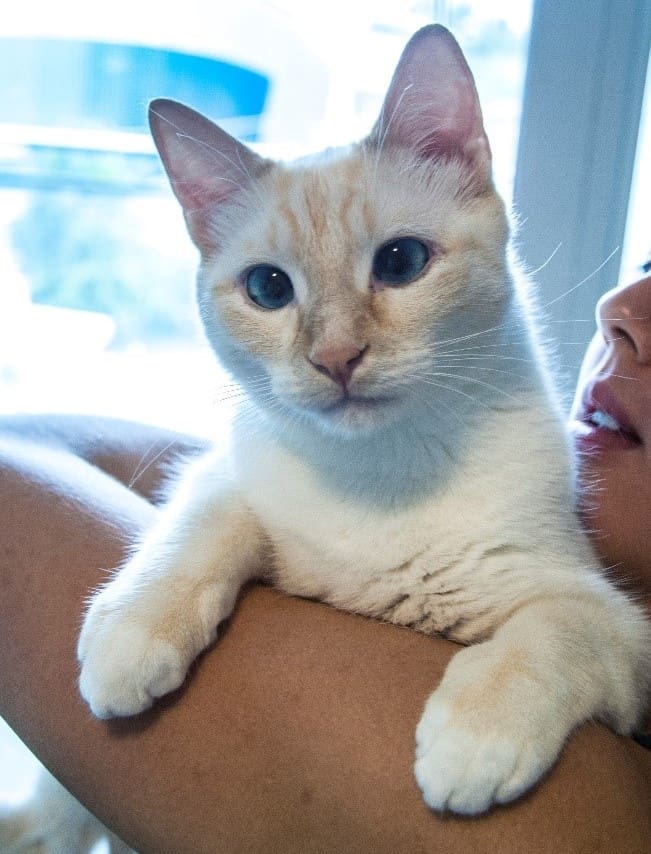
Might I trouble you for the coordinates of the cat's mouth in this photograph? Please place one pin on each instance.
(354, 413)
(354, 401)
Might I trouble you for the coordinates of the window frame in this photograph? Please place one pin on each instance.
(582, 103)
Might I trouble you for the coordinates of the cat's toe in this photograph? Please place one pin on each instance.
(467, 771)
(460, 774)
(123, 674)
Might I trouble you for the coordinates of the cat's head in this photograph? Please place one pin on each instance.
(332, 287)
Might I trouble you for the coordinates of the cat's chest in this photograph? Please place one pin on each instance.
(296, 507)
(336, 547)
(409, 566)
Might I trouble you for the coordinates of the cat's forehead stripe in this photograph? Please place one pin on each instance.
(290, 220)
(314, 203)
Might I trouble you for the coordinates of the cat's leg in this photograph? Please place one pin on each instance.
(144, 628)
(504, 707)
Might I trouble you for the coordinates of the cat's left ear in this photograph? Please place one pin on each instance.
(205, 164)
(432, 106)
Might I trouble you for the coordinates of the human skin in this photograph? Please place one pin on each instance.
(614, 467)
(294, 733)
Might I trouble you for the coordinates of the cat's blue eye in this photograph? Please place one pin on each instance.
(400, 261)
(268, 286)
(646, 266)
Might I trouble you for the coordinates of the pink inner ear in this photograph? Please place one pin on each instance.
(432, 105)
(204, 163)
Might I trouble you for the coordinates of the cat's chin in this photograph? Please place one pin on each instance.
(353, 416)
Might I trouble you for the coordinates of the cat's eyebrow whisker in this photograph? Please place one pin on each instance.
(545, 263)
(386, 127)
(220, 154)
(583, 281)
(239, 164)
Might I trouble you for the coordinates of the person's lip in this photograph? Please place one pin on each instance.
(602, 421)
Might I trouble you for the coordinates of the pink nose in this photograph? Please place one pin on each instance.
(338, 361)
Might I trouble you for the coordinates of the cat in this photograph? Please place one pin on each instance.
(401, 452)
(397, 464)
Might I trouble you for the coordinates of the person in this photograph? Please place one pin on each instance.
(615, 465)
(295, 732)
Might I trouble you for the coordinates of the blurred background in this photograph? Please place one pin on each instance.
(96, 271)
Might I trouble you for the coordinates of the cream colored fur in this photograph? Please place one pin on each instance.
(438, 496)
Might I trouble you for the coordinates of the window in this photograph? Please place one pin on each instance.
(582, 103)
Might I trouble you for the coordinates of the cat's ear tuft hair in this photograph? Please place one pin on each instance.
(432, 107)
(205, 164)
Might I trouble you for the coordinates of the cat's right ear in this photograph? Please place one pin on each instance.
(205, 165)
(432, 107)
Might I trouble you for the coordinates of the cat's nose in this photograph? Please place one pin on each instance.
(338, 361)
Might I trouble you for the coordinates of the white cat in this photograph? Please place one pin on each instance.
(404, 458)
(400, 454)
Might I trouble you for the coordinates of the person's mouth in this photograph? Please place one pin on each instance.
(603, 422)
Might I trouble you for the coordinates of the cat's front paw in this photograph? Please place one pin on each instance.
(468, 771)
(478, 744)
(124, 665)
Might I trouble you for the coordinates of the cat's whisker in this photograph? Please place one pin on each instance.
(583, 281)
(474, 381)
(387, 125)
(453, 412)
(143, 466)
(519, 324)
(473, 335)
(462, 358)
(238, 391)
(219, 154)
(532, 273)
(457, 365)
(446, 387)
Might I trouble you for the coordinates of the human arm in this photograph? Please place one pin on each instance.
(294, 733)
